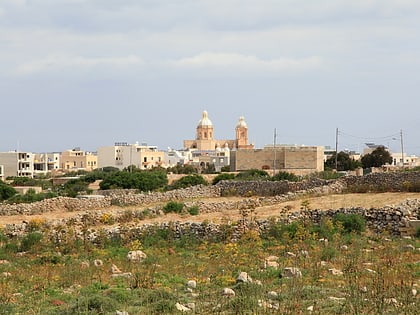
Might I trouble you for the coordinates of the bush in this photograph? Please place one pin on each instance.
(417, 234)
(285, 176)
(327, 175)
(328, 253)
(252, 174)
(220, 177)
(31, 196)
(351, 222)
(187, 181)
(6, 191)
(30, 241)
(193, 210)
(148, 180)
(173, 206)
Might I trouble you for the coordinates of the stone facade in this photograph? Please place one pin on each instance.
(300, 160)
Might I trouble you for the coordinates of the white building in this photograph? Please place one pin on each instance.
(123, 154)
(46, 162)
(409, 160)
(176, 157)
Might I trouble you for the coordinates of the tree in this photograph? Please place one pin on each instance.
(380, 156)
(344, 162)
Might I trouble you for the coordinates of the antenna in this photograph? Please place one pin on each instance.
(336, 150)
(402, 147)
(275, 154)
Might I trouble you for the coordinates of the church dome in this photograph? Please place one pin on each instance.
(205, 121)
(241, 123)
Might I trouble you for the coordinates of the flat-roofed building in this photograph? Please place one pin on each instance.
(122, 155)
(300, 160)
(76, 159)
(17, 164)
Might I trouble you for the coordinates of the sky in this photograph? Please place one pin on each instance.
(88, 73)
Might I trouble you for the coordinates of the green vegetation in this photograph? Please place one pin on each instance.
(223, 176)
(173, 206)
(326, 175)
(187, 181)
(6, 191)
(351, 222)
(252, 174)
(182, 169)
(380, 156)
(147, 180)
(285, 176)
(31, 196)
(62, 277)
(344, 162)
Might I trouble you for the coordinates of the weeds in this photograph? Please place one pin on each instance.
(377, 277)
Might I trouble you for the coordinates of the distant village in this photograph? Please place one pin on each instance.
(203, 151)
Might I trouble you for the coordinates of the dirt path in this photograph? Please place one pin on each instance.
(321, 202)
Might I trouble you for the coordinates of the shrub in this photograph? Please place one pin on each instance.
(173, 206)
(187, 181)
(417, 233)
(30, 241)
(31, 196)
(147, 180)
(351, 222)
(328, 253)
(193, 210)
(285, 176)
(327, 174)
(252, 174)
(6, 191)
(220, 177)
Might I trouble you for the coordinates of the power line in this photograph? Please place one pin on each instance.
(370, 138)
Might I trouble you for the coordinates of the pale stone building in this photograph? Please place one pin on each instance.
(46, 162)
(205, 150)
(76, 159)
(300, 160)
(122, 155)
(17, 163)
(205, 141)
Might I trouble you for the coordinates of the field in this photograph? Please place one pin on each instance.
(290, 269)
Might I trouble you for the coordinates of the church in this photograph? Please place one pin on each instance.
(204, 140)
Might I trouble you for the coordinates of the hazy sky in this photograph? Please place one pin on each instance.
(88, 73)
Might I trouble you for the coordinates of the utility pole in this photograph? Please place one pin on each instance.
(336, 149)
(402, 147)
(275, 153)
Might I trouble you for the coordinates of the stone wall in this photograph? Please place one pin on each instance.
(393, 180)
(268, 188)
(111, 197)
(277, 190)
(388, 220)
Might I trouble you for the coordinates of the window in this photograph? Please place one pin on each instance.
(145, 159)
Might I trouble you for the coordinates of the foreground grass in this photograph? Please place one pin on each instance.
(73, 277)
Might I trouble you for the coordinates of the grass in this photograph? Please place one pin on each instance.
(55, 279)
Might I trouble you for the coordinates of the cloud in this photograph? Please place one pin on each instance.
(54, 63)
(240, 62)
